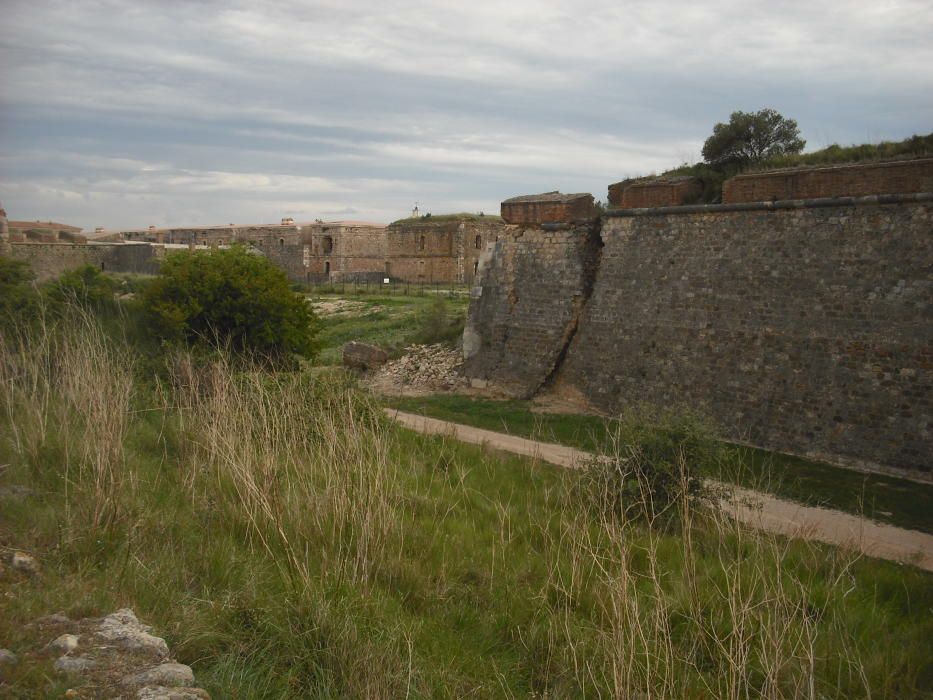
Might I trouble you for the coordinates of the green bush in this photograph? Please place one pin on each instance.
(230, 298)
(19, 299)
(656, 459)
(437, 325)
(85, 286)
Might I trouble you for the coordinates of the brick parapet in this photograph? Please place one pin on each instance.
(655, 193)
(548, 208)
(855, 179)
(781, 205)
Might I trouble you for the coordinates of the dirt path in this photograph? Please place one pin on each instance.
(757, 509)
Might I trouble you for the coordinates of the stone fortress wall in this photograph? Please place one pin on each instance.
(444, 250)
(803, 326)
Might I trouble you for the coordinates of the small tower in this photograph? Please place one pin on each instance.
(415, 213)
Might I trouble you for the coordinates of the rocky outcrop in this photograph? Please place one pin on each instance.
(116, 656)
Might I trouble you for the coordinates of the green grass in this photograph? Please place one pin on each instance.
(442, 218)
(883, 498)
(391, 322)
(291, 542)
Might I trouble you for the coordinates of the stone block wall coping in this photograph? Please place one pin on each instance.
(775, 206)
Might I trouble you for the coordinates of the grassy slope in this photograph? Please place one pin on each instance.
(886, 499)
(392, 322)
(484, 575)
(466, 604)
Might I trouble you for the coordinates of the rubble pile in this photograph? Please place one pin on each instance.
(424, 367)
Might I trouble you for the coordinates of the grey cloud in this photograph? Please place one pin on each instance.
(246, 111)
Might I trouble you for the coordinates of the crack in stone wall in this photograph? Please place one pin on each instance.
(806, 329)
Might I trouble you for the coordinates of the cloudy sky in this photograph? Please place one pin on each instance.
(124, 113)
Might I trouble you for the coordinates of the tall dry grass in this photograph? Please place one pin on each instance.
(66, 390)
(305, 465)
(693, 603)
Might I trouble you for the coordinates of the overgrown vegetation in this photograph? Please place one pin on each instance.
(290, 542)
(884, 498)
(391, 322)
(230, 298)
(712, 176)
(443, 218)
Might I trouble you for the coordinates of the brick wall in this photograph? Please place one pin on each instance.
(807, 330)
(550, 207)
(669, 192)
(854, 180)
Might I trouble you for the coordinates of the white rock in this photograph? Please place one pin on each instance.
(163, 693)
(65, 643)
(163, 675)
(125, 630)
(74, 664)
(7, 657)
(25, 563)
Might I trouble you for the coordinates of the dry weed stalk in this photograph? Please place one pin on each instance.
(67, 387)
(308, 466)
(698, 605)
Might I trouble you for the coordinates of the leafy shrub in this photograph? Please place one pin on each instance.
(436, 325)
(657, 458)
(85, 286)
(18, 297)
(230, 298)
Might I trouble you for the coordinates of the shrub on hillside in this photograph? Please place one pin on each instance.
(85, 286)
(657, 458)
(18, 297)
(230, 298)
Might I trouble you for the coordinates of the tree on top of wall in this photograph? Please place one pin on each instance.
(750, 137)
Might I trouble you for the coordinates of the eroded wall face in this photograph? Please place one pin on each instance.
(531, 288)
(808, 331)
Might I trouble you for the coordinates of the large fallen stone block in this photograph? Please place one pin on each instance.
(363, 356)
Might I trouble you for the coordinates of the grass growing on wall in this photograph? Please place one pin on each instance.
(445, 218)
(289, 541)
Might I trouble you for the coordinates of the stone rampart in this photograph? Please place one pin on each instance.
(532, 285)
(49, 260)
(851, 180)
(804, 327)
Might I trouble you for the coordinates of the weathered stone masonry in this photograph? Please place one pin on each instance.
(534, 284)
(805, 327)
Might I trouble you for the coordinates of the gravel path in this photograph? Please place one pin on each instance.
(757, 509)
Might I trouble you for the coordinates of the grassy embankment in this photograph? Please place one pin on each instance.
(391, 322)
(394, 322)
(290, 542)
(883, 498)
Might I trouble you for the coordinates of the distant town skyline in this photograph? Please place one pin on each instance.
(128, 114)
